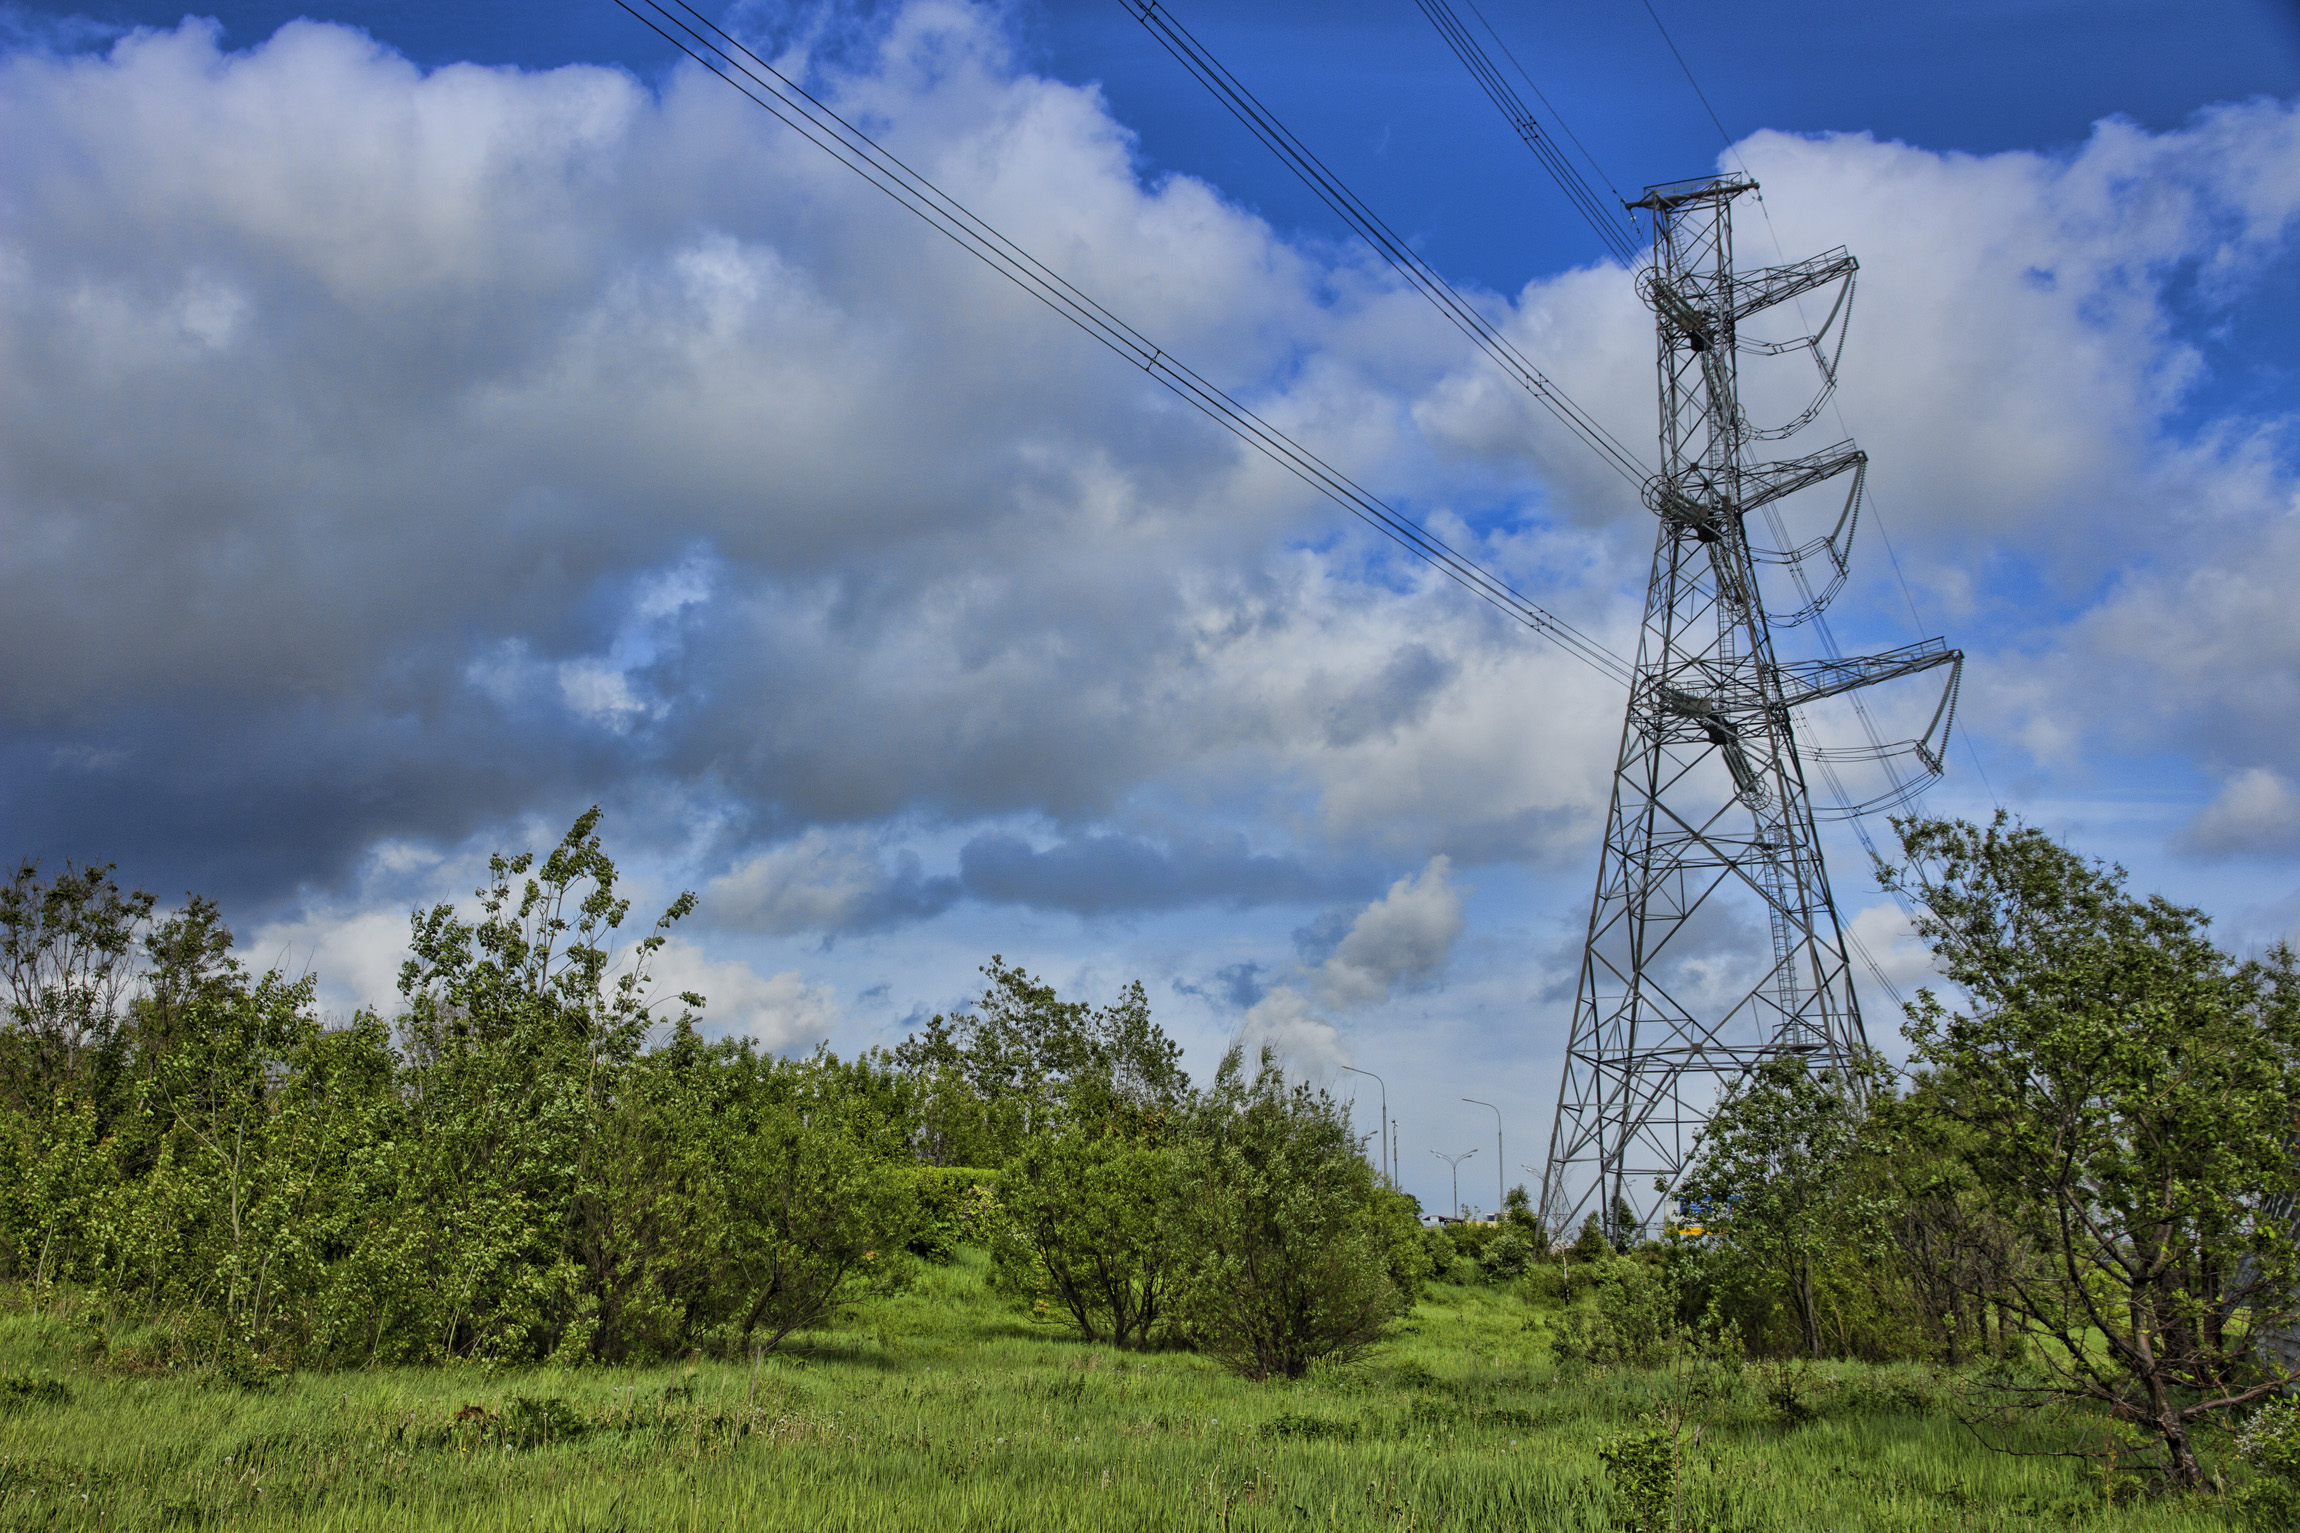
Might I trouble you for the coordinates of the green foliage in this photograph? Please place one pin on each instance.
(1292, 1247)
(1507, 1253)
(1086, 1226)
(1089, 1228)
(1517, 1213)
(2120, 1100)
(820, 1199)
(2270, 1444)
(1770, 1182)
(954, 1205)
(26, 1391)
(1789, 1389)
(530, 1166)
(66, 950)
(1591, 1244)
(1643, 1469)
(988, 1079)
(1628, 1317)
(538, 1421)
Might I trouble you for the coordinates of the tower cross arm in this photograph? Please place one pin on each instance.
(1808, 681)
(1761, 289)
(1764, 483)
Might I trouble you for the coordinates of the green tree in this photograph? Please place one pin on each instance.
(1294, 1251)
(1088, 1227)
(1022, 1058)
(521, 1028)
(2126, 1092)
(1769, 1180)
(821, 1197)
(1087, 1198)
(67, 968)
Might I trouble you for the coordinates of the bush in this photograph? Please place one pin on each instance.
(1643, 1469)
(951, 1201)
(1289, 1242)
(23, 1391)
(1086, 1229)
(539, 1421)
(817, 1208)
(1507, 1254)
(2270, 1443)
(1628, 1322)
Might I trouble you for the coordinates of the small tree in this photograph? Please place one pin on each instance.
(1769, 1173)
(1024, 1059)
(821, 1198)
(1088, 1224)
(2127, 1093)
(1293, 1246)
(67, 963)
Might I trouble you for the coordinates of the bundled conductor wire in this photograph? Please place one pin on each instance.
(707, 44)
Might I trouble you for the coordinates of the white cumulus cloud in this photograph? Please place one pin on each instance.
(1403, 937)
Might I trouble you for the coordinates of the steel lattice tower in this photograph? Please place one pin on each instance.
(1710, 808)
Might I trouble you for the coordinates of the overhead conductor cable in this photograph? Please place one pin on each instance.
(1612, 224)
(1392, 247)
(715, 49)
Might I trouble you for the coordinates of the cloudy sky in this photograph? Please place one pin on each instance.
(420, 422)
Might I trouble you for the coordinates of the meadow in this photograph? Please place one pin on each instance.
(947, 1406)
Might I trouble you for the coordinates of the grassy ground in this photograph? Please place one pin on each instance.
(942, 1410)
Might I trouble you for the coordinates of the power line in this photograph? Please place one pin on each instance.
(1555, 115)
(1612, 227)
(1689, 80)
(1392, 247)
(720, 52)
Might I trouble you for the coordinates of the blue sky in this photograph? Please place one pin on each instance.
(398, 456)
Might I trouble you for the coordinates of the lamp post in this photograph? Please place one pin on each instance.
(1389, 1160)
(1500, 1174)
(1455, 1162)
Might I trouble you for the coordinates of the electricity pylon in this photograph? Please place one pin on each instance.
(1711, 834)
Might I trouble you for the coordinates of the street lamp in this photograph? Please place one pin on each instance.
(1455, 1162)
(1389, 1159)
(1500, 1173)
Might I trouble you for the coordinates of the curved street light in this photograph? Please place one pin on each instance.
(1389, 1151)
(1500, 1171)
(1455, 1162)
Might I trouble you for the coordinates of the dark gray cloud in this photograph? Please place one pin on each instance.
(847, 882)
(390, 454)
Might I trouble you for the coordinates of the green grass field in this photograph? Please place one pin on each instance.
(941, 1409)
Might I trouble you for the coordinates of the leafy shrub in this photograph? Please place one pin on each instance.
(537, 1421)
(951, 1202)
(1591, 1245)
(1643, 1469)
(1507, 1254)
(1441, 1256)
(1629, 1322)
(817, 1207)
(1517, 1213)
(2270, 1443)
(1086, 1231)
(1312, 1428)
(1288, 1240)
(1795, 1393)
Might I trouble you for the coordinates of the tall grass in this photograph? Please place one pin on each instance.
(942, 1410)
